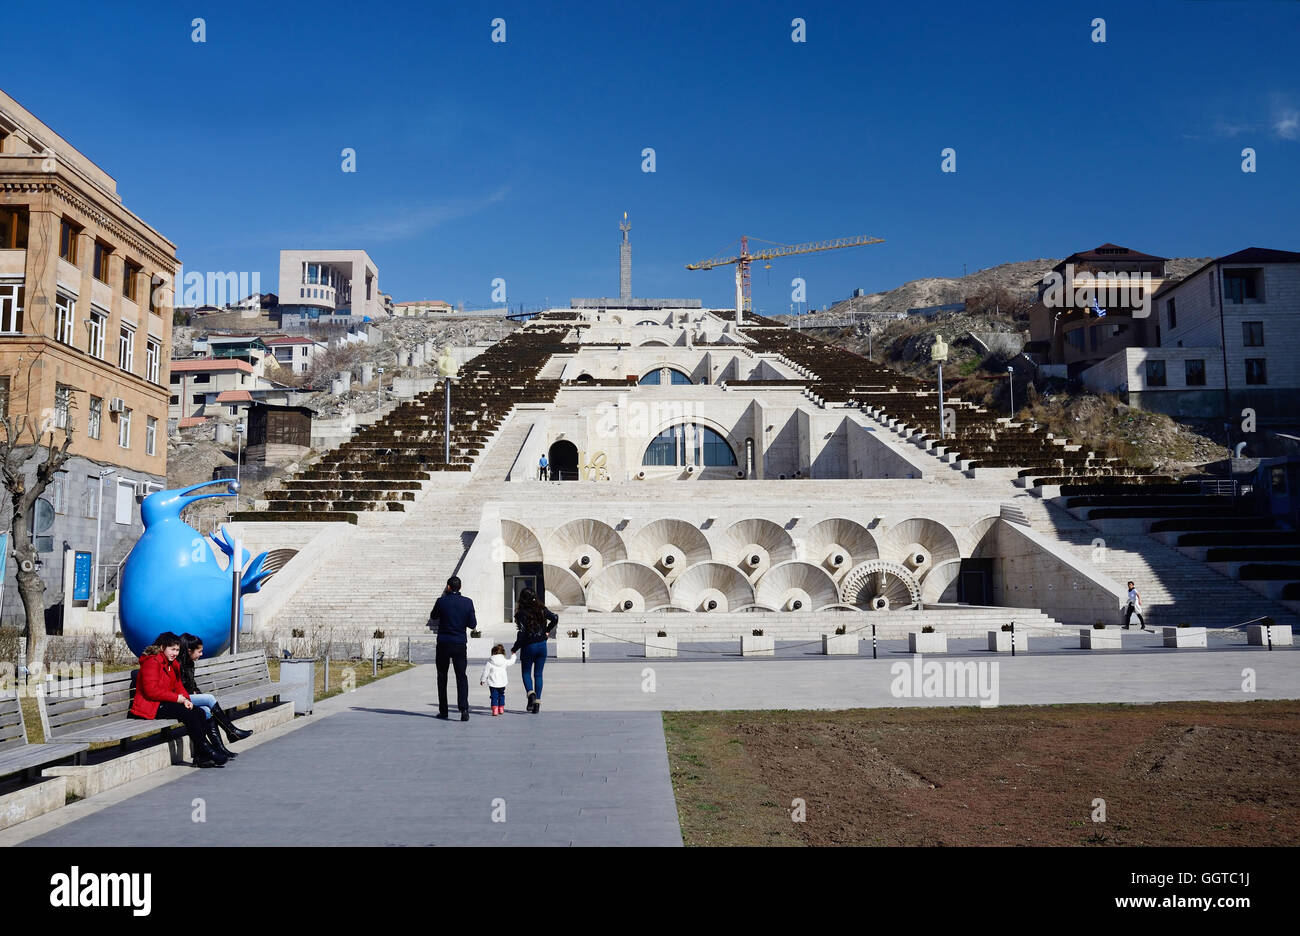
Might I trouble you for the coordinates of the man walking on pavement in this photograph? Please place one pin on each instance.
(1133, 607)
(453, 614)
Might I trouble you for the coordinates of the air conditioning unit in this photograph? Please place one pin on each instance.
(117, 405)
(142, 490)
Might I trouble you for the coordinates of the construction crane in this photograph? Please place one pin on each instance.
(745, 258)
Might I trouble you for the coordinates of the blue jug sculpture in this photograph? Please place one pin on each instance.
(171, 580)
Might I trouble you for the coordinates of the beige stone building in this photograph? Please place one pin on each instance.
(85, 317)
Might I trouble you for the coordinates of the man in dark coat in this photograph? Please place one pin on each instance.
(453, 614)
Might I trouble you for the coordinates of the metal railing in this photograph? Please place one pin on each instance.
(1222, 487)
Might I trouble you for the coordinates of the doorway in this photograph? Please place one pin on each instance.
(563, 460)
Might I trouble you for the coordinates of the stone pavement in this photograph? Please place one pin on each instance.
(375, 768)
(383, 771)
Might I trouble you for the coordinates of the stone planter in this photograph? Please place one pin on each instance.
(479, 648)
(1090, 638)
(661, 646)
(1184, 636)
(1257, 635)
(1000, 641)
(846, 644)
(568, 648)
(757, 646)
(918, 642)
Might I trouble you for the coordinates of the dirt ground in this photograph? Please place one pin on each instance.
(1171, 774)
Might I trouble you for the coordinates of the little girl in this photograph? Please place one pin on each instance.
(494, 677)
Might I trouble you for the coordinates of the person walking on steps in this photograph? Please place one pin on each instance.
(496, 678)
(1134, 606)
(536, 623)
(453, 614)
(218, 718)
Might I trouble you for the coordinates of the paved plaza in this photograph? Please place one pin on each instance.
(373, 767)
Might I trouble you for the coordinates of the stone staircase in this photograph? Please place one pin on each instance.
(1174, 587)
(387, 576)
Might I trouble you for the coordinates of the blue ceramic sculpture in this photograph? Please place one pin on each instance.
(171, 580)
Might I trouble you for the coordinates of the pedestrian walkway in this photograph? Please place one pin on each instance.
(384, 771)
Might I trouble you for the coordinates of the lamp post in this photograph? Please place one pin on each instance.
(379, 391)
(240, 429)
(99, 525)
(939, 354)
(447, 370)
(1011, 385)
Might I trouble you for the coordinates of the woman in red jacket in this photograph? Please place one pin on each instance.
(159, 692)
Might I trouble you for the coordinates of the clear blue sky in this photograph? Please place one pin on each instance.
(478, 159)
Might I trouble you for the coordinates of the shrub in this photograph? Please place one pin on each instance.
(296, 632)
(842, 629)
(1099, 626)
(758, 632)
(476, 634)
(928, 629)
(662, 633)
(378, 635)
(1006, 627)
(573, 633)
(1183, 624)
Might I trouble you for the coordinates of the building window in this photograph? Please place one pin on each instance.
(155, 284)
(153, 361)
(175, 400)
(1074, 338)
(100, 268)
(670, 448)
(124, 429)
(62, 405)
(68, 234)
(96, 328)
(13, 227)
(12, 296)
(95, 420)
(1241, 285)
(1173, 315)
(1195, 371)
(150, 434)
(1155, 374)
(1252, 334)
(130, 279)
(65, 318)
(1256, 371)
(126, 349)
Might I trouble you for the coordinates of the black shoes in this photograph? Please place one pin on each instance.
(532, 702)
(537, 706)
(464, 716)
(207, 756)
(233, 733)
(442, 715)
(214, 739)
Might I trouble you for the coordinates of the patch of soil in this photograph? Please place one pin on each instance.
(1171, 774)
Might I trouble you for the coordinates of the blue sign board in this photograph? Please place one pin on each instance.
(81, 577)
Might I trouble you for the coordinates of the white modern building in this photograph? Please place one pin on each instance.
(328, 287)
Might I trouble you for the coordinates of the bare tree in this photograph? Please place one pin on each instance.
(21, 443)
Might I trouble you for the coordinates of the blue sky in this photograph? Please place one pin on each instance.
(478, 160)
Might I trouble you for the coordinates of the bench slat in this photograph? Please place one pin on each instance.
(36, 755)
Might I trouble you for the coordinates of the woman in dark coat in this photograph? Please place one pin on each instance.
(159, 692)
(535, 623)
(191, 650)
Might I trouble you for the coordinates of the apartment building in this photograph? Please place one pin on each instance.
(422, 307)
(294, 352)
(1063, 330)
(85, 316)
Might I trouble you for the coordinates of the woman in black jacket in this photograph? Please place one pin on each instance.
(191, 650)
(535, 623)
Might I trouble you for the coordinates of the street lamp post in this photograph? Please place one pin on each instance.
(1011, 385)
(379, 391)
(939, 354)
(99, 525)
(240, 429)
(447, 370)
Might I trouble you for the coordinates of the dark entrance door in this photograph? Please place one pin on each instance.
(974, 585)
(563, 459)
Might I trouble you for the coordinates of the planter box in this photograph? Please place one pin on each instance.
(840, 643)
(1000, 641)
(1184, 636)
(661, 646)
(568, 648)
(1090, 638)
(479, 648)
(1257, 635)
(918, 642)
(757, 646)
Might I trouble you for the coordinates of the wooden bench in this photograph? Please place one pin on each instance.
(19, 756)
(235, 681)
